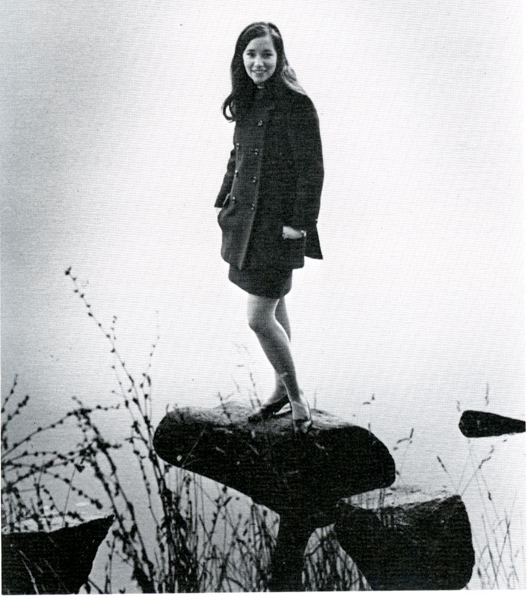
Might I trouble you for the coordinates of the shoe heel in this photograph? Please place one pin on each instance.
(301, 425)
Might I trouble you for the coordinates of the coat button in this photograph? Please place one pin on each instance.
(260, 123)
(256, 151)
(238, 145)
(252, 207)
(254, 180)
(236, 173)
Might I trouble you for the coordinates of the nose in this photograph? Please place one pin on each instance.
(258, 61)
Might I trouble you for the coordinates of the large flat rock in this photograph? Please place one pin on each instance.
(268, 463)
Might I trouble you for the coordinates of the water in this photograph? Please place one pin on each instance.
(115, 150)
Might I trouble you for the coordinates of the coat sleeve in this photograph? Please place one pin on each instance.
(305, 143)
(227, 182)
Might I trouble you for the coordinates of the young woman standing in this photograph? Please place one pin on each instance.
(269, 201)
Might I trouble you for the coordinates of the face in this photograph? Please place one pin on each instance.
(260, 59)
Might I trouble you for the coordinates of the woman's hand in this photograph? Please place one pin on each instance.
(292, 233)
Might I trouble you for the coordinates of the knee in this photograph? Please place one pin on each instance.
(258, 322)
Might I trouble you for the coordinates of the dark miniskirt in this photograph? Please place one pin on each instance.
(267, 282)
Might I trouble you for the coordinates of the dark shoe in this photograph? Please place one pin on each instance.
(268, 409)
(301, 417)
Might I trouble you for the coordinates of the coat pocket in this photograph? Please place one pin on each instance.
(296, 251)
(223, 209)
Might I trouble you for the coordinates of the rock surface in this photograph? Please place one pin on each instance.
(416, 546)
(57, 562)
(268, 463)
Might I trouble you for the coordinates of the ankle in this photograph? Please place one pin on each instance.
(291, 385)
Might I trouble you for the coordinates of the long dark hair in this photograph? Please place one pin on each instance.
(242, 87)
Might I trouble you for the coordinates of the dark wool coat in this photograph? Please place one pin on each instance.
(274, 178)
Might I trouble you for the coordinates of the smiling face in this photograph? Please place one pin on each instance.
(260, 59)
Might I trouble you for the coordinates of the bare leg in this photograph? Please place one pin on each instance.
(272, 336)
(275, 342)
(282, 317)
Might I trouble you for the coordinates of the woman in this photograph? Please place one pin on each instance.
(270, 198)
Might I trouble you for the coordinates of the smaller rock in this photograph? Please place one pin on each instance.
(416, 546)
(57, 562)
(479, 424)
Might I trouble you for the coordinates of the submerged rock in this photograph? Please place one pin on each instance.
(57, 562)
(415, 546)
(271, 465)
